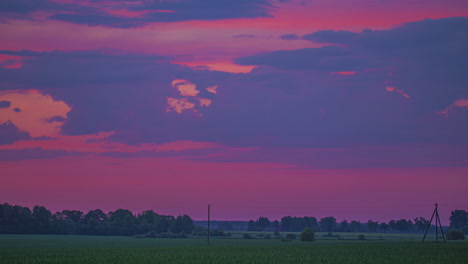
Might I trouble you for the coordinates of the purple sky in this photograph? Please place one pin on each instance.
(262, 108)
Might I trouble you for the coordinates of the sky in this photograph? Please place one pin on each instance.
(352, 109)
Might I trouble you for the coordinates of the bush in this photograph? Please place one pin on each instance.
(267, 236)
(276, 234)
(307, 235)
(361, 237)
(217, 232)
(246, 236)
(454, 234)
(291, 236)
(285, 240)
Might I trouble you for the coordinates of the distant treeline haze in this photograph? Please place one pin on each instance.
(15, 219)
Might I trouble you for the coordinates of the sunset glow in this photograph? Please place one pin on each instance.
(259, 107)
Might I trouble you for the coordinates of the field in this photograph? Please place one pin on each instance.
(378, 248)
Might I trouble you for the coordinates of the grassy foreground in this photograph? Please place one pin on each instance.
(85, 249)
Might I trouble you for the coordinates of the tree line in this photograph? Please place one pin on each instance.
(458, 220)
(15, 219)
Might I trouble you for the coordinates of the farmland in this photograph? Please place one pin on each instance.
(391, 248)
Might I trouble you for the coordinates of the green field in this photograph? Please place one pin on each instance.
(378, 248)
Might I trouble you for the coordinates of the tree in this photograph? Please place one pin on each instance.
(404, 225)
(384, 226)
(97, 215)
(421, 223)
(251, 226)
(182, 224)
(262, 223)
(328, 224)
(344, 226)
(372, 226)
(307, 235)
(392, 225)
(73, 215)
(454, 234)
(355, 226)
(289, 223)
(458, 219)
(41, 218)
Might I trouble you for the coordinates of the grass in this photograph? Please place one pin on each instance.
(90, 249)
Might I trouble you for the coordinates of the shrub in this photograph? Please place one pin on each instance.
(454, 234)
(307, 235)
(276, 234)
(286, 240)
(246, 236)
(267, 236)
(217, 232)
(291, 236)
(361, 237)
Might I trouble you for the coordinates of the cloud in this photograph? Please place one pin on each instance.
(38, 114)
(289, 37)
(5, 104)
(291, 100)
(328, 58)
(413, 53)
(212, 89)
(25, 6)
(131, 14)
(185, 87)
(9, 133)
(179, 105)
(35, 153)
(189, 93)
(110, 90)
(83, 68)
(331, 36)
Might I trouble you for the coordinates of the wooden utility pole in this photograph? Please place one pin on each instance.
(208, 235)
(438, 225)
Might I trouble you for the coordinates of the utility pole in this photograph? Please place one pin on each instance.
(438, 225)
(208, 235)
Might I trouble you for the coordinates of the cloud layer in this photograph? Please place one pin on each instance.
(360, 89)
(132, 14)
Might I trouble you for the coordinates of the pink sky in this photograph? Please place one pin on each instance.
(99, 114)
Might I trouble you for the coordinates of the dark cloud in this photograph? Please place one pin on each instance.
(289, 37)
(9, 134)
(82, 68)
(293, 99)
(25, 6)
(423, 56)
(328, 58)
(55, 119)
(17, 110)
(34, 153)
(5, 104)
(159, 11)
(331, 36)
